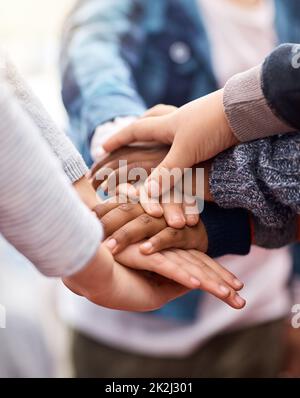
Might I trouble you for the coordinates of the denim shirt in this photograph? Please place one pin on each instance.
(120, 57)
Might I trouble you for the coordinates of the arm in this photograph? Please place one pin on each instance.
(45, 220)
(217, 222)
(103, 88)
(72, 162)
(262, 177)
(264, 101)
(62, 147)
(37, 204)
(245, 110)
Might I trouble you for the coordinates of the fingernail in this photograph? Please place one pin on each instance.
(238, 283)
(240, 301)
(111, 244)
(225, 290)
(177, 220)
(195, 281)
(132, 192)
(192, 220)
(147, 246)
(155, 209)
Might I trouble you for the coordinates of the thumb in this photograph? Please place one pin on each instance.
(168, 172)
(147, 129)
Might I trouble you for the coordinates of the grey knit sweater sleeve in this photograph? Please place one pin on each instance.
(264, 100)
(72, 162)
(247, 110)
(40, 213)
(263, 177)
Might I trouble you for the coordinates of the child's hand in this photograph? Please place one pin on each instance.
(146, 158)
(191, 268)
(198, 131)
(110, 284)
(125, 224)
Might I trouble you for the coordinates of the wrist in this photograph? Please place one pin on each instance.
(227, 135)
(206, 166)
(94, 281)
(86, 193)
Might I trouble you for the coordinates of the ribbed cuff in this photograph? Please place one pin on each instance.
(247, 110)
(274, 238)
(228, 230)
(75, 168)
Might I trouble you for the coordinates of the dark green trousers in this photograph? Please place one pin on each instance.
(251, 352)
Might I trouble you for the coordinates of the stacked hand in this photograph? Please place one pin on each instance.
(106, 282)
(146, 158)
(192, 139)
(173, 254)
(127, 224)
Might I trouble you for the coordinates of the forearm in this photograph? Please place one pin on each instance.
(85, 282)
(264, 101)
(262, 177)
(238, 192)
(96, 31)
(40, 214)
(72, 162)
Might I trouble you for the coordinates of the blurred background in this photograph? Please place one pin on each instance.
(34, 338)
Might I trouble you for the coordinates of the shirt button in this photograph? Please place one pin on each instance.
(180, 52)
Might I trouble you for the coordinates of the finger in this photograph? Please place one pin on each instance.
(228, 276)
(107, 158)
(136, 230)
(133, 172)
(209, 280)
(169, 172)
(128, 193)
(190, 211)
(160, 110)
(106, 207)
(166, 239)
(172, 206)
(120, 216)
(144, 157)
(173, 270)
(105, 171)
(157, 263)
(186, 238)
(150, 205)
(200, 261)
(148, 129)
(110, 159)
(128, 153)
(173, 213)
